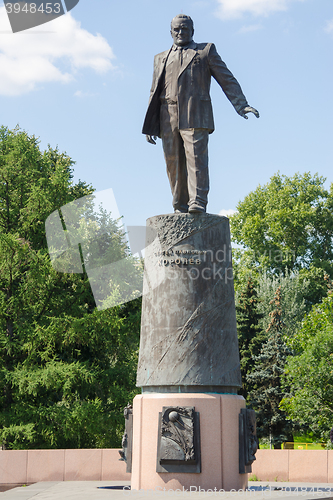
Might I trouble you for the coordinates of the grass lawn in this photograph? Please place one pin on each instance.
(302, 442)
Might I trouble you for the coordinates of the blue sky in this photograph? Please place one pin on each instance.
(81, 82)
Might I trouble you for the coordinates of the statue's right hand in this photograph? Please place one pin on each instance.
(151, 139)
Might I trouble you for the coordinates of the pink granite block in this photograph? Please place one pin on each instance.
(45, 465)
(330, 466)
(136, 442)
(146, 410)
(83, 465)
(271, 465)
(230, 409)
(308, 465)
(13, 466)
(113, 469)
(145, 431)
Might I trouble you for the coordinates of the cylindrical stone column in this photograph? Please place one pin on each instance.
(188, 328)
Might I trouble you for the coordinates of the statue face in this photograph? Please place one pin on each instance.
(182, 32)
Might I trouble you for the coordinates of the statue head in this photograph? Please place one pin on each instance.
(182, 30)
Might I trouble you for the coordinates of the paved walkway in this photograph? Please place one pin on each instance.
(113, 490)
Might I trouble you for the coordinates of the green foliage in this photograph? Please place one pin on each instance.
(250, 335)
(318, 282)
(287, 223)
(310, 372)
(285, 229)
(33, 184)
(254, 306)
(74, 378)
(293, 288)
(253, 477)
(268, 392)
(66, 369)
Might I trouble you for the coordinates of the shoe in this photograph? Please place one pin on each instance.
(196, 209)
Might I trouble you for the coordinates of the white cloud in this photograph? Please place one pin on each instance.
(236, 8)
(329, 26)
(250, 28)
(29, 59)
(226, 213)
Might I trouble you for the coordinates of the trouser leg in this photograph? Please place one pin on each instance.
(196, 151)
(174, 154)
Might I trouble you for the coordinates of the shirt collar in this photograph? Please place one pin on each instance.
(191, 45)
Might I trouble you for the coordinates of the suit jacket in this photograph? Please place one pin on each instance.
(200, 62)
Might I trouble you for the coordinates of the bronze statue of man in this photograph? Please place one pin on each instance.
(180, 111)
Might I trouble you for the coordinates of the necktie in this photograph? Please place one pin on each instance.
(180, 56)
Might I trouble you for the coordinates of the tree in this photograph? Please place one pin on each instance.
(310, 372)
(266, 376)
(293, 288)
(287, 224)
(254, 306)
(250, 335)
(316, 289)
(66, 369)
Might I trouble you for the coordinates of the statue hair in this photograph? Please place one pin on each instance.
(184, 17)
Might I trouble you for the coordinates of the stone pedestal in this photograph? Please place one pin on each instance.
(189, 354)
(188, 340)
(218, 437)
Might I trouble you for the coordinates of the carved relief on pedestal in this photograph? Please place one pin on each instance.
(248, 440)
(178, 440)
(126, 442)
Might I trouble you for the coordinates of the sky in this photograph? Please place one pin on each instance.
(81, 82)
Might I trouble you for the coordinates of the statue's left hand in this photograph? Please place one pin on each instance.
(151, 139)
(249, 109)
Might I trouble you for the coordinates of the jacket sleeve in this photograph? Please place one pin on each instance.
(226, 80)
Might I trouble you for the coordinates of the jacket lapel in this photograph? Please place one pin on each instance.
(188, 55)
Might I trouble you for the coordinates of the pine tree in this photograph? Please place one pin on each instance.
(293, 304)
(250, 335)
(266, 377)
